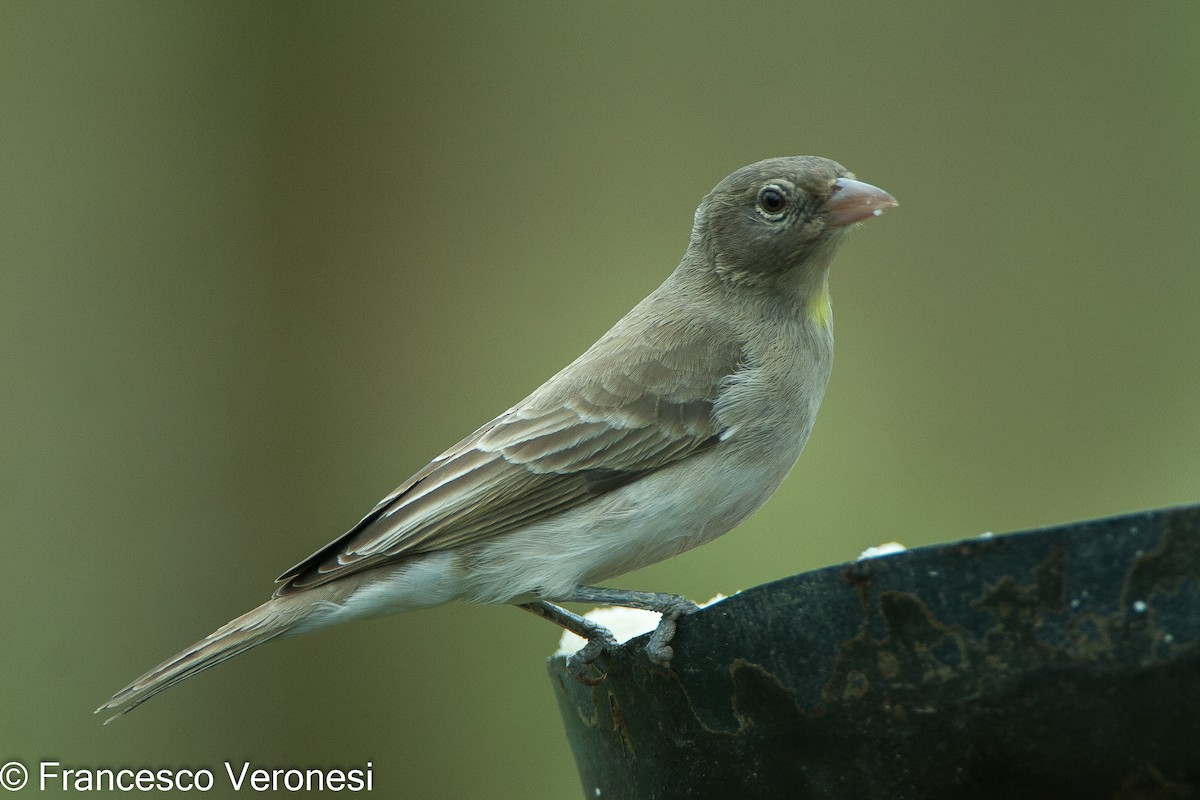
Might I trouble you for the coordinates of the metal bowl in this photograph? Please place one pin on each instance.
(1058, 663)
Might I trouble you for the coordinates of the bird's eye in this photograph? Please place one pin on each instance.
(772, 200)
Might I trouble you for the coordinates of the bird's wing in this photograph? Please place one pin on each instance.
(605, 420)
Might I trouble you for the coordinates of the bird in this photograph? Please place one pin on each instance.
(672, 428)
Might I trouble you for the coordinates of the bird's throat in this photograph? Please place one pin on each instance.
(820, 309)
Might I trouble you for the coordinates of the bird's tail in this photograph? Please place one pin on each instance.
(278, 616)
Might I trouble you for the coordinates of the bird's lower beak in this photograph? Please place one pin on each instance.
(853, 201)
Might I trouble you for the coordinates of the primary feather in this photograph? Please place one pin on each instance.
(585, 432)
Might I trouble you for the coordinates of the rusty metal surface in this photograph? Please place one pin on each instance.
(1061, 663)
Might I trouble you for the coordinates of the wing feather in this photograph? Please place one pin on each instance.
(597, 425)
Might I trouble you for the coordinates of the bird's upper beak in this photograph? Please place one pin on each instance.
(853, 201)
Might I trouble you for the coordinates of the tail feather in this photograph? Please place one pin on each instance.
(276, 617)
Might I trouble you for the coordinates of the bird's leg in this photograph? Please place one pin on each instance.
(671, 606)
(599, 639)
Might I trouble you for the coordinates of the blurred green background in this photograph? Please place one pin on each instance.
(260, 261)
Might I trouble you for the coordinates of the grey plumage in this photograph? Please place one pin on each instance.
(680, 421)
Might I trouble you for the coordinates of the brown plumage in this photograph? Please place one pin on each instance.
(680, 421)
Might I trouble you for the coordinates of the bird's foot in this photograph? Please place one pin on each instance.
(671, 606)
(589, 664)
(659, 649)
(582, 664)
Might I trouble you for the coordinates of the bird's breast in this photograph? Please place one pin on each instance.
(767, 408)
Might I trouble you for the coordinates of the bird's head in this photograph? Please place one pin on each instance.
(780, 220)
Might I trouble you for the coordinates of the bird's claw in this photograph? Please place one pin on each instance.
(659, 649)
(582, 664)
(600, 642)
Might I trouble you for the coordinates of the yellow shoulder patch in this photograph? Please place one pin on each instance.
(820, 308)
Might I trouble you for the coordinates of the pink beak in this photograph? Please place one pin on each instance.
(853, 201)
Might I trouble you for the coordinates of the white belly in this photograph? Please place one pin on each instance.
(647, 521)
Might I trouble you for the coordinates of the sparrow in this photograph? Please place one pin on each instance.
(674, 426)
